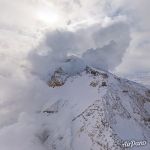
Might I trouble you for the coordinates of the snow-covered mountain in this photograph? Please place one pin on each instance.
(142, 78)
(95, 110)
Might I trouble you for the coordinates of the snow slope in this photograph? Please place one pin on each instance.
(88, 110)
(95, 110)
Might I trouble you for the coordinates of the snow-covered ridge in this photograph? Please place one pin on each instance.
(90, 109)
(60, 76)
(95, 110)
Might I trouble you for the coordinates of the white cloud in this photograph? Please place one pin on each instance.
(99, 46)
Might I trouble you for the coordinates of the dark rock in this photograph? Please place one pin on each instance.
(104, 84)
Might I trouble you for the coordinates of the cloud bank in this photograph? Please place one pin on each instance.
(96, 45)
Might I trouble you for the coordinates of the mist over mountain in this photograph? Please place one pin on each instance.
(91, 106)
(56, 89)
(100, 47)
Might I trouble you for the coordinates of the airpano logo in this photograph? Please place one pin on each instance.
(133, 143)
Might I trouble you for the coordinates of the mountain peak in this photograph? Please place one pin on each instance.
(98, 108)
(59, 76)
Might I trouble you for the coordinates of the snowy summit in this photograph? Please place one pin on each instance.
(95, 110)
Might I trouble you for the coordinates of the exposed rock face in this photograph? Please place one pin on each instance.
(58, 78)
(95, 110)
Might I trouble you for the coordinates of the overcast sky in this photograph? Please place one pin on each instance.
(115, 31)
